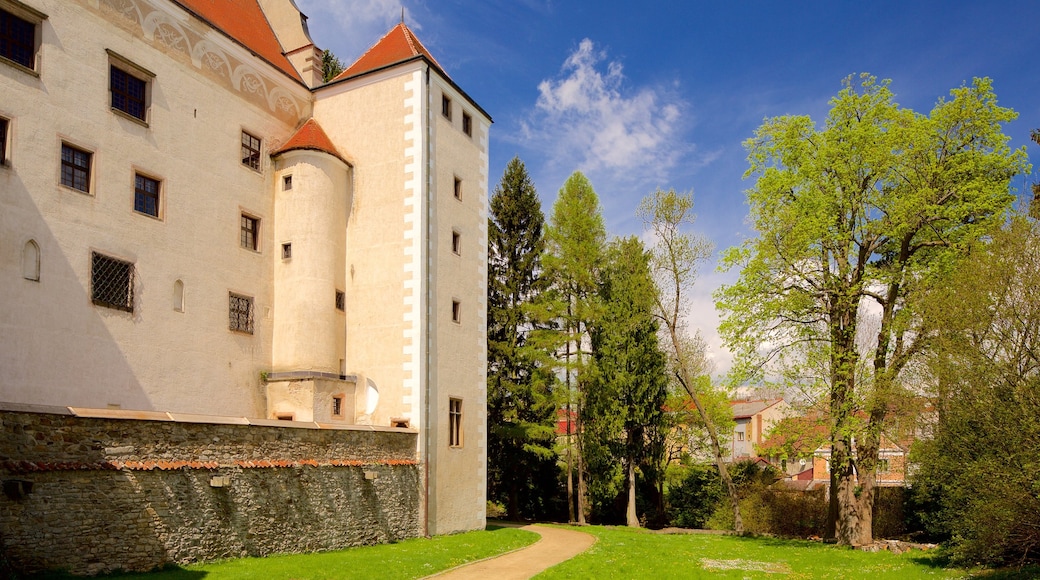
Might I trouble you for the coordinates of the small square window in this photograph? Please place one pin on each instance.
(455, 422)
(19, 34)
(240, 313)
(740, 435)
(456, 242)
(456, 311)
(75, 168)
(341, 300)
(458, 189)
(111, 282)
(287, 250)
(146, 195)
(337, 405)
(250, 233)
(3, 141)
(286, 183)
(467, 124)
(250, 151)
(446, 106)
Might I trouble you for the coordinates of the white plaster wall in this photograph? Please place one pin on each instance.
(309, 332)
(56, 347)
(458, 476)
(376, 122)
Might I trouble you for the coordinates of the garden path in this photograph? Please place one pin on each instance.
(555, 545)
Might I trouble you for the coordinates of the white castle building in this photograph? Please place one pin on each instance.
(192, 221)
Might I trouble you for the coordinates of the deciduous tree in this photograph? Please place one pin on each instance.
(852, 218)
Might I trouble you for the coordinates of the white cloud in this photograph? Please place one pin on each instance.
(587, 118)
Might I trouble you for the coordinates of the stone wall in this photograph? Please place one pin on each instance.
(135, 491)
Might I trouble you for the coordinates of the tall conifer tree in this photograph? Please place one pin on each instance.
(520, 404)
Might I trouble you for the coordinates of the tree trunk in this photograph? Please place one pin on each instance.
(570, 441)
(630, 516)
(581, 473)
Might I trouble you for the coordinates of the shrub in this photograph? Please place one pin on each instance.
(693, 501)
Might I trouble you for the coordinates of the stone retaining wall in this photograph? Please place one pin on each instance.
(91, 494)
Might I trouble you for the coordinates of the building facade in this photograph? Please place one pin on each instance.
(192, 221)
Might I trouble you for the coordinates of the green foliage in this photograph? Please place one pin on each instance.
(867, 210)
(979, 471)
(795, 437)
(521, 404)
(696, 497)
(624, 401)
(331, 66)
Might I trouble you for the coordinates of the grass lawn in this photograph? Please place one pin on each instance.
(634, 553)
(408, 559)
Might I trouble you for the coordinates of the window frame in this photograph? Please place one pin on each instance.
(132, 70)
(241, 320)
(467, 124)
(446, 106)
(88, 181)
(249, 154)
(456, 311)
(456, 242)
(286, 250)
(125, 305)
(244, 218)
(144, 194)
(458, 188)
(34, 18)
(5, 133)
(287, 182)
(455, 418)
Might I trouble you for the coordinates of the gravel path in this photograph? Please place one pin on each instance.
(556, 545)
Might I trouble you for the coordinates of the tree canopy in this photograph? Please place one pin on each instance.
(853, 218)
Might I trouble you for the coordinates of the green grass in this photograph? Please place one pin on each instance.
(634, 553)
(408, 559)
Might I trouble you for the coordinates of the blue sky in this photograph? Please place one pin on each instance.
(662, 94)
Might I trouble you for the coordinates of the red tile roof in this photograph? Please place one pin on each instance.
(310, 137)
(244, 22)
(398, 45)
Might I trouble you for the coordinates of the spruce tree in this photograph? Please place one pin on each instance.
(520, 404)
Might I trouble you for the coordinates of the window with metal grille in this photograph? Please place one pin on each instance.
(341, 300)
(3, 141)
(337, 405)
(17, 39)
(446, 106)
(111, 282)
(455, 422)
(250, 151)
(128, 93)
(146, 195)
(250, 233)
(75, 168)
(240, 313)
(467, 124)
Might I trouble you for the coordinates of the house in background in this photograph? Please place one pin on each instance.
(754, 419)
(192, 221)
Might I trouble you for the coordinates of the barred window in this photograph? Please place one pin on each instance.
(250, 233)
(17, 39)
(240, 313)
(128, 93)
(112, 282)
(75, 168)
(250, 151)
(455, 422)
(146, 195)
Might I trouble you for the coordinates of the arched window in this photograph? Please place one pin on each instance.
(178, 296)
(31, 261)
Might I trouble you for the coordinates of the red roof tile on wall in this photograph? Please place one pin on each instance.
(310, 137)
(244, 22)
(398, 45)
